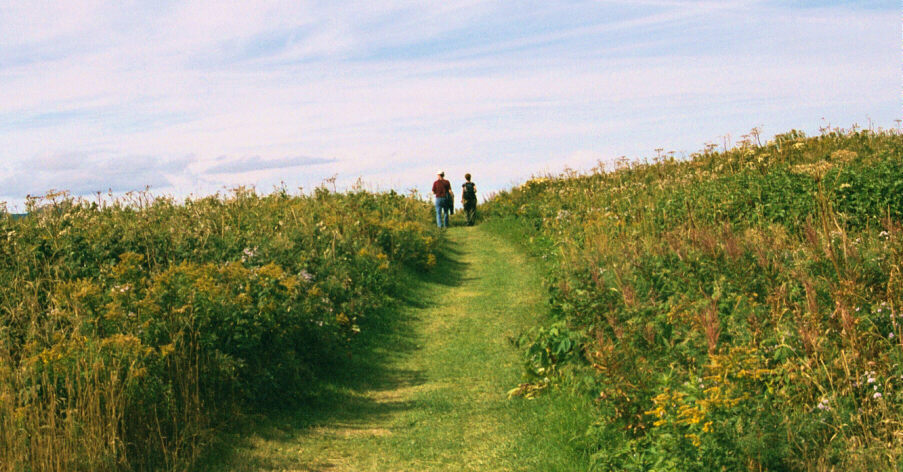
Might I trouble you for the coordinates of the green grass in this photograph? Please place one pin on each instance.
(428, 390)
(735, 310)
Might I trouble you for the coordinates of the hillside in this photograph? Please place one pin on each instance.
(428, 392)
(739, 309)
(735, 310)
(131, 331)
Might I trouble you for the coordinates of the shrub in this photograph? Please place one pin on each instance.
(736, 310)
(130, 328)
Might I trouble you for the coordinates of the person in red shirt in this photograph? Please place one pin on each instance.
(441, 189)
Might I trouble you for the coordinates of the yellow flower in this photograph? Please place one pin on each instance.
(167, 349)
(271, 270)
(694, 438)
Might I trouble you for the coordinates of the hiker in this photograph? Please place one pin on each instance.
(469, 199)
(442, 189)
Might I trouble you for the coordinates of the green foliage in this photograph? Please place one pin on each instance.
(738, 309)
(130, 327)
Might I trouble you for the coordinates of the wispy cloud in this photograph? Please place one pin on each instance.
(226, 165)
(83, 173)
(392, 90)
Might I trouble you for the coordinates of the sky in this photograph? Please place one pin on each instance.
(193, 98)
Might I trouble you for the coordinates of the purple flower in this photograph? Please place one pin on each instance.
(876, 395)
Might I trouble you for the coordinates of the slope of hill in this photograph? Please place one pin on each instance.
(737, 310)
(429, 392)
(129, 330)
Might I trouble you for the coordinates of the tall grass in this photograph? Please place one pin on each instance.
(130, 328)
(737, 310)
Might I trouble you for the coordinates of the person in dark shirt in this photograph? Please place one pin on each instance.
(469, 199)
(441, 189)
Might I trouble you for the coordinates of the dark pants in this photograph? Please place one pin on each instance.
(470, 211)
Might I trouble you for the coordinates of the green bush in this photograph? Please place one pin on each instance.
(736, 310)
(131, 327)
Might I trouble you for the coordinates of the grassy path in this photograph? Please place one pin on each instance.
(436, 399)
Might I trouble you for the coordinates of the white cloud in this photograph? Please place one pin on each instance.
(226, 165)
(83, 173)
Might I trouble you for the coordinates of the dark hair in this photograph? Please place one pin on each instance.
(467, 176)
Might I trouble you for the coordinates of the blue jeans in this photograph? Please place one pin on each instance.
(440, 209)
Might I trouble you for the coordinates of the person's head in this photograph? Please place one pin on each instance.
(441, 174)
(467, 177)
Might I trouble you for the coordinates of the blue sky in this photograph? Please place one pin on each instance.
(190, 98)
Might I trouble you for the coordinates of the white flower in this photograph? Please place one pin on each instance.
(876, 395)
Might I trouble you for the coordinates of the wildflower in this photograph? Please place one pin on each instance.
(694, 438)
(876, 395)
(248, 253)
(122, 288)
(307, 276)
(890, 336)
(823, 405)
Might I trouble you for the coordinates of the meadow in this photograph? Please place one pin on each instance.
(130, 329)
(736, 309)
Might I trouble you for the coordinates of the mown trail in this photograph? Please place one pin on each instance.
(436, 400)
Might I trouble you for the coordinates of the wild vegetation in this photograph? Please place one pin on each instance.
(739, 309)
(130, 328)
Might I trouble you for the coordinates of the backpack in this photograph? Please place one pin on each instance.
(470, 192)
(450, 202)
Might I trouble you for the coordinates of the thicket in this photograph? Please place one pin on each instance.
(735, 310)
(129, 328)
